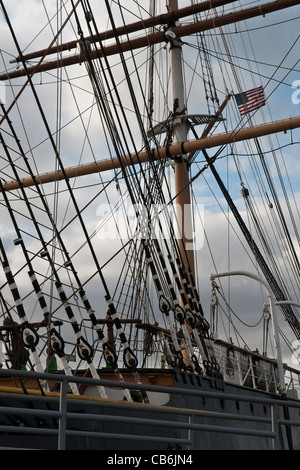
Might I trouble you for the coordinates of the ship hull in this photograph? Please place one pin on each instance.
(115, 425)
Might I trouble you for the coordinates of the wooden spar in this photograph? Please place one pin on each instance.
(166, 18)
(159, 37)
(181, 171)
(161, 152)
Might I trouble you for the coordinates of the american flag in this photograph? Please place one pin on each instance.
(250, 100)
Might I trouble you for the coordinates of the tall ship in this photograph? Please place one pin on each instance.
(149, 243)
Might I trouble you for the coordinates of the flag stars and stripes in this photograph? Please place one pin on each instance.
(250, 100)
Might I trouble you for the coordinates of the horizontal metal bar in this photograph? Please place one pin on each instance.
(220, 429)
(170, 423)
(289, 422)
(31, 412)
(18, 448)
(154, 388)
(130, 437)
(28, 430)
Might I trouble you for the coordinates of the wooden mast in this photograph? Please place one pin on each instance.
(180, 133)
(181, 171)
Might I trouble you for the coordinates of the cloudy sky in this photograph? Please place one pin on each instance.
(264, 51)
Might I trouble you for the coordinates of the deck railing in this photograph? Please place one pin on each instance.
(251, 369)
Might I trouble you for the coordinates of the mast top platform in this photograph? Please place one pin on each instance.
(194, 119)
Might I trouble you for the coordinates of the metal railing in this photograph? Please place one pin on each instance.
(189, 427)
